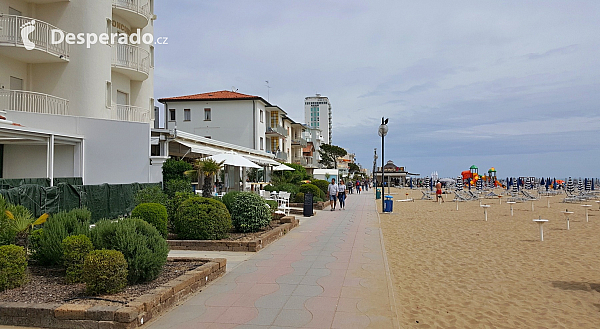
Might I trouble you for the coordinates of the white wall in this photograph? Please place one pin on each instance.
(115, 152)
(24, 161)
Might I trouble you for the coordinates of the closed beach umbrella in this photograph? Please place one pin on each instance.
(410, 183)
(479, 185)
(570, 185)
(593, 179)
(515, 185)
(427, 181)
(459, 183)
(580, 185)
(588, 184)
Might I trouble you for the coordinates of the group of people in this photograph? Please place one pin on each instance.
(337, 192)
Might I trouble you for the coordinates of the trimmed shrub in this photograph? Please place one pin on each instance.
(104, 272)
(172, 206)
(13, 264)
(153, 213)
(142, 245)
(173, 186)
(201, 218)
(152, 194)
(299, 197)
(174, 169)
(273, 205)
(305, 188)
(49, 250)
(317, 199)
(287, 187)
(321, 184)
(228, 199)
(248, 212)
(75, 249)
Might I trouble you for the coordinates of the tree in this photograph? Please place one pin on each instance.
(329, 154)
(207, 167)
(353, 167)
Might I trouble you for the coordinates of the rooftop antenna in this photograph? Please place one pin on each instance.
(234, 89)
(268, 88)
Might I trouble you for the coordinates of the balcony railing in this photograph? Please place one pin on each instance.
(300, 161)
(141, 7)
(300, 141)
(277, 130)
(281, 156)
(29, 101)
(130, 113)
(131, 57)
(12, 28)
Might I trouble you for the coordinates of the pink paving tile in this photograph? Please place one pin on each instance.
(350, 320)
(237, 315)
(247, 300)
(326, 304)
(331, 291)
(263, 288)
(348, 305)
(321, 319)
(223, 300)
(211, 314)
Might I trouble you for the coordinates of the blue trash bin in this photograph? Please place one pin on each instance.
(388, 203)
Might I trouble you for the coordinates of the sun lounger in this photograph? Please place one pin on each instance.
(426, 196)
(460, 198)
(528, 196)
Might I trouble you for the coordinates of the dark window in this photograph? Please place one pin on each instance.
(171, 115)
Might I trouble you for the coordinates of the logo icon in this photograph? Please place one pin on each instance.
(26, 30)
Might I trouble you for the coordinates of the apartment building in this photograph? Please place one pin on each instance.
(317, 114)
(82, 111)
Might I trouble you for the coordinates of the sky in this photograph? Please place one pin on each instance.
(513, 85)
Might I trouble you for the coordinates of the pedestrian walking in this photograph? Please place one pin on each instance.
(332, 191)
(358, 187)
(438, 191)
(342, 194)
(350, 187)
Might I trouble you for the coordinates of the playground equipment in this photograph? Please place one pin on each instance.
(471, 177)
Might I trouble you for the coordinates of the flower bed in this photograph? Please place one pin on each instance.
(114, 311)
(249, 242)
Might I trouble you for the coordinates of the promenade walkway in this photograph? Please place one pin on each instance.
(330, 272)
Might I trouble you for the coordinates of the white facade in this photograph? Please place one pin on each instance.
(93, 106)
(317, 114)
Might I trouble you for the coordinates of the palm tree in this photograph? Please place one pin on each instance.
(207, 167)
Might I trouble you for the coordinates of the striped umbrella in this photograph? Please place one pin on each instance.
(459, 183)
(515, 186)
(479, 185)
(588, 184)
(570, 185)
(580, 185)
(427, 181)
(533, 183)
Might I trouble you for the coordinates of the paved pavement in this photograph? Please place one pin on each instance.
(330, 272)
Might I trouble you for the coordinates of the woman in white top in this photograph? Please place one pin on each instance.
(342, 194)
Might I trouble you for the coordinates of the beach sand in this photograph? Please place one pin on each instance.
(452, 269)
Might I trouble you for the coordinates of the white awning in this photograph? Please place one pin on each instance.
(261, 161)
(200, 149)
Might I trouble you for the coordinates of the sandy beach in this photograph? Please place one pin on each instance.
(452, 269)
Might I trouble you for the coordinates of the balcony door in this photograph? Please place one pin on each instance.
(123, 110)
(16, 83)
(122, 98)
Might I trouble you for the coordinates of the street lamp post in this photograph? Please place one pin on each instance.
(383, 130)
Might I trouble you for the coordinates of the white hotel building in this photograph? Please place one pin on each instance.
(317, 114)
(81, 112)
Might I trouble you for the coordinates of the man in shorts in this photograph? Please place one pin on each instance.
(332, 192)
(438, 192)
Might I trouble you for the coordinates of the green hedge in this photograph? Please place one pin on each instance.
(250, 212)
(201, 218)
(153, 194)
(321, 184)
(13, 266)
(142, 245)
(105, 272)
(228, 199)
(48, 249)
(75, 248)
(153, 213)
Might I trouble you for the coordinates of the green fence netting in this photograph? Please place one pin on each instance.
(8, 183)
(104, 201)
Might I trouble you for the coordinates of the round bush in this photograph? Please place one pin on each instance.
(173, 186)
(273, 205)
(249, 213)
(48, 250)
(228, 199)
(13, 264)
(142, 245)
(173, 204)
(317, 199)
(321, 184)
(201, 218)
(299, 197)
(305, 188)
(152, 194)
(104, 272)
(75, 249)
(153, 213)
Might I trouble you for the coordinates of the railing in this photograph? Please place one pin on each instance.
(141, 7)
(281, 156)
(310, 161)
(277, 130)
(12, 28)
(300, 141)
(29, 101)
(300, 161)
(131, 57)
(129, 113)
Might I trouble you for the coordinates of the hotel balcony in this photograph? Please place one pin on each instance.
(278, 130)
(136, 12)
(12, 45)
(132, 61)
(310, 162)
(29, 101)
(281, 156)
(129, 113)
(301, 142)
(300, 161)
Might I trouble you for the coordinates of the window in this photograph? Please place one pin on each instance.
(261, 119)
(171, 114)
(262, 142)
(187, 115)
(207, 115)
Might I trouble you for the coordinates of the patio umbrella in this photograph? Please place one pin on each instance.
(235, 160)
(282, 167)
